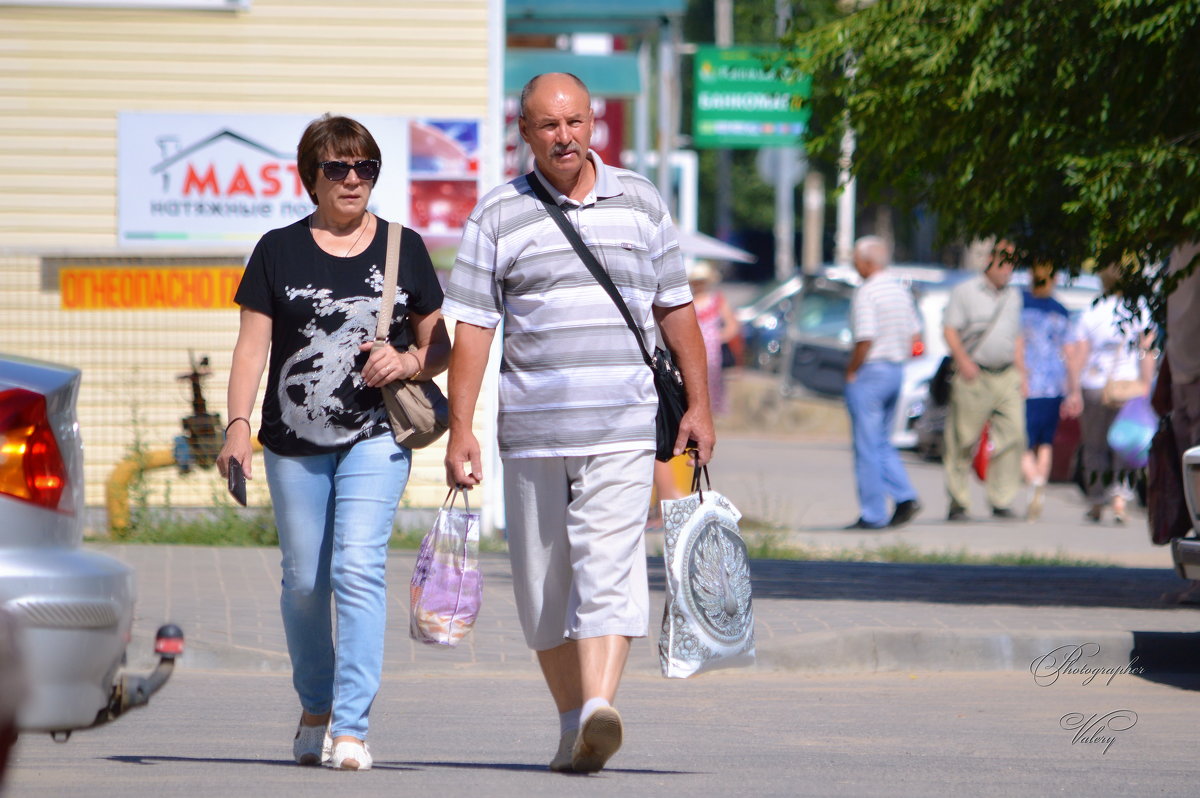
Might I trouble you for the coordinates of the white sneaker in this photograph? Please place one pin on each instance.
(353, 755)
(312, 744)
(561, 763)
(599, 738)
(1034, 510)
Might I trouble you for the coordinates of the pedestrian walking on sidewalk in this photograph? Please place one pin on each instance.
(982, 325)
(1046, 331)
(1107, 346)
(309, 300)
(884, 323)
(576, 401)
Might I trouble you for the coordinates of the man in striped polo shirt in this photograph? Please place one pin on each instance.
(884, 322)
(576, 401)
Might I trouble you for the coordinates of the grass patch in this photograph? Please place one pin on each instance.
(230, 526)
(221, 526)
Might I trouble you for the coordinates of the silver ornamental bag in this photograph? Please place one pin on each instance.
(708, 620)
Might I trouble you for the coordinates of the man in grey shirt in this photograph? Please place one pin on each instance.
(576, 400)
(982, 325)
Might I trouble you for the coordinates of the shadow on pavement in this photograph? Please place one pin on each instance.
(1171, 658)
(154, 759)
(541, 768)
(1130, 588)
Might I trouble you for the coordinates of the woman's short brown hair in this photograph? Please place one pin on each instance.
(332, 134)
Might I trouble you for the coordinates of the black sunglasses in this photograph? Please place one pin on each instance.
(337, 170)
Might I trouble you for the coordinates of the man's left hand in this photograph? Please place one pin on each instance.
(696, 425)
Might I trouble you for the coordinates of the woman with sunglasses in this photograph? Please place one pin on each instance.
(309, 300)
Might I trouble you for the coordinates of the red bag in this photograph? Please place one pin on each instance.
(983, 453)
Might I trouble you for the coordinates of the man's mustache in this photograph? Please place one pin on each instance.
(563, 150)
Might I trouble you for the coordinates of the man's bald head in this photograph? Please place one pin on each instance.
(532, 86)
(871, 253)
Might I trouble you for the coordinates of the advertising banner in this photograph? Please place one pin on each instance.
(741, 103)
(222, 180)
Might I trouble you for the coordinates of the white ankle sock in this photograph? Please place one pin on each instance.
(590, 706)
(568, 720)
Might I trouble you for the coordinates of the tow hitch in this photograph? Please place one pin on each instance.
(132, 691)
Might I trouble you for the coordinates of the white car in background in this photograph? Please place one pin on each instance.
(73, 608)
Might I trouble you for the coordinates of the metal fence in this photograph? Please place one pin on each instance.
(140, 364)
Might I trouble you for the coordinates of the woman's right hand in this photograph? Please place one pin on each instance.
(238, 446)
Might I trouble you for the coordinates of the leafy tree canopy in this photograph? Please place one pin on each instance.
(1072, 128)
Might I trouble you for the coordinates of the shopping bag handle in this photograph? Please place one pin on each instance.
(697, 471)
(452, 494)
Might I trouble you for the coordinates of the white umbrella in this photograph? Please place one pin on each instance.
(699, 245)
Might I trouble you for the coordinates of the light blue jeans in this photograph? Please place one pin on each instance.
(335, 515)
(871, 402)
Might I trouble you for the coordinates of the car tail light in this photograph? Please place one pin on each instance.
(31, 466)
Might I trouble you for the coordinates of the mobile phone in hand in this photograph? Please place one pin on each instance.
(237, 481)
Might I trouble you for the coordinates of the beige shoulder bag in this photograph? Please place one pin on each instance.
(417, 409)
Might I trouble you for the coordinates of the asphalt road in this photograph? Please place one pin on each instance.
(733, 733)
(862, 687)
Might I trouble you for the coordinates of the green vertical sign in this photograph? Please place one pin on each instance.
(741, 104)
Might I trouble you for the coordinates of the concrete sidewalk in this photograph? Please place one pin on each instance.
(811, 616)
(826, 617)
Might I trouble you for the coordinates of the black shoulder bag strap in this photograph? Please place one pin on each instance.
(589, 260)
(991, 325)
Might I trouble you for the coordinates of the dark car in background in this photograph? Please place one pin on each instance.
(764, 324)
(818, 341)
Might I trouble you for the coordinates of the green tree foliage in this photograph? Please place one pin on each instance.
(1072, 128)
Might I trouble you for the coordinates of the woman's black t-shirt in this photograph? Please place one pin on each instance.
(322, 309)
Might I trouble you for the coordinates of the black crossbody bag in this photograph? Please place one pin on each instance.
(668, 381)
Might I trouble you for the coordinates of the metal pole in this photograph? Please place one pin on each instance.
(814, 221)
(785, 189)
(723, 201)
(844, 245)
(665, 111)
(492, 510)
(844, 242)
(641, 110)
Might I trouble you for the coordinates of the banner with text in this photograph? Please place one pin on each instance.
(196, 180)
(742, 103)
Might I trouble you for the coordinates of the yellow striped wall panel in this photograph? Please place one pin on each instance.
(66, 73)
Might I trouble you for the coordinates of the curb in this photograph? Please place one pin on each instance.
(876, 650)
(862, 650)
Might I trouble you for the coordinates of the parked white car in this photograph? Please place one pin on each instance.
(1186, 551)
(73, 607)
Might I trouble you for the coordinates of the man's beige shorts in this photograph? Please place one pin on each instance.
(576, 539)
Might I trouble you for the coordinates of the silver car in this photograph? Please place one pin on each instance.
(73, 607)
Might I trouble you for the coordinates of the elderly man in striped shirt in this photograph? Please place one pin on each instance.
(884, 323)
(576, 401)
